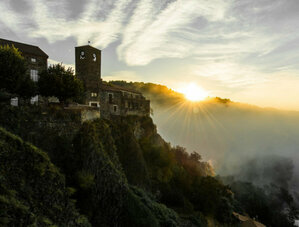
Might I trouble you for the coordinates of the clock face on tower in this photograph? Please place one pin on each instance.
(94, 57)
(82, 55)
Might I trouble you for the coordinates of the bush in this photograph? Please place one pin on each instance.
(60, 82)
(143, 210)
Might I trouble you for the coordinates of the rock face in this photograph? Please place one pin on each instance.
(32, 190)
(96, 159)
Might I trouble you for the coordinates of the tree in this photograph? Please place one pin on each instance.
(60, 82)
(13, 76)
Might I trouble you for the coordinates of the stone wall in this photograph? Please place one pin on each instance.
(85, 113)
(40, 64)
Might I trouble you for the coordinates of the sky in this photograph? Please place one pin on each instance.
(245, 50)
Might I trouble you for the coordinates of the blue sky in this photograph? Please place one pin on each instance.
(246, 50)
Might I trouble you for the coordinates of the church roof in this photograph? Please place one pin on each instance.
(24, 48)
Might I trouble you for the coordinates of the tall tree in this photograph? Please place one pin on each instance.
(13, 77)
(60, 82)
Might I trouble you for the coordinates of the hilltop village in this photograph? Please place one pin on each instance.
(100, 98)
(98, 160)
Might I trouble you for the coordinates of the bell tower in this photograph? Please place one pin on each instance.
(88, 69)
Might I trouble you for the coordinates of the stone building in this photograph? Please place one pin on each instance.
(36, 59)
(116, 100)
(112, 100)
(88, 69)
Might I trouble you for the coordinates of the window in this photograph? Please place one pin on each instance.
(82, 55)
(93, 94)
(95, 104)
(33, 60)
(110, 98)
(14, 101)
(34, 100)
(34, 75)
(115, 108)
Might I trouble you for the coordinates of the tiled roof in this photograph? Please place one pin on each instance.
(117, 88)
(24, 48)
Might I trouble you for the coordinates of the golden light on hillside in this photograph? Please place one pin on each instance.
(193, 92)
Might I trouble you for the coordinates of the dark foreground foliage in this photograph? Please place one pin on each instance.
(32, 191)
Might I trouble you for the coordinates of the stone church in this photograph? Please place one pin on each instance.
(101, 99)
(111, 100)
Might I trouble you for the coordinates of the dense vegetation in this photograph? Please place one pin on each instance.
(271, 204)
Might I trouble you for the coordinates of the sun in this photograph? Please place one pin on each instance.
(193, 92)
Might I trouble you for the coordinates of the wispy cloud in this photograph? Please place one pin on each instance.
(154, 37)
(145, 28)
(50, 21)
(151, 29)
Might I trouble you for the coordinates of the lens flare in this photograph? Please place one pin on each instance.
(193, 92)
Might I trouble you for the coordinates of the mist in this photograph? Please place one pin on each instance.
(249, 143)
(259, 145)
